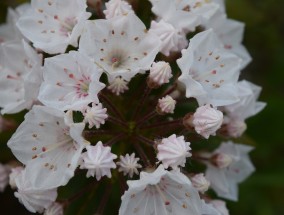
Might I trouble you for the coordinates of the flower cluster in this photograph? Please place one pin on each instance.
(104, 98)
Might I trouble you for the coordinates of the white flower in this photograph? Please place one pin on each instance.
(71, 82)
(200, 182)
(185, 15)
(166, 105)
(209, 209)
(98, 160)
(49, 145)
(95, 115)
(220, 206)
(35, 200)
(160, 192)
(224, 181)
(209, 73)
(121, 46)
(160, 73)
(173, 151)
(54, 209)
(115, 8)
(53, 25)
(221, 4)
(128, 164)
(173, 40)
(9, 31)
(20, 76)
(118, 86)
(207, 120)
(4, 177)
(230, 32)
(248, 105)
(15, 172)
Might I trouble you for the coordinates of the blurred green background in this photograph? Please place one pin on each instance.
(263, 192)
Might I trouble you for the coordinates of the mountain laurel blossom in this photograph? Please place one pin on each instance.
(101, 94)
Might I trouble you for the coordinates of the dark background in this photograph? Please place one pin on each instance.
(263, 192)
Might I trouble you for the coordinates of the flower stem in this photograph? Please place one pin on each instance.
(115, 139)
(117, 121)
(142, 154)
(163, 124)
(140, 105)
(170, 90)
(92, 133)
(104, 200)
(144, 140)
(111, 106)
(147, 117)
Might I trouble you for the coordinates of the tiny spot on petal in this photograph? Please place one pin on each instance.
(34, 157)
(40, 10)
(34, 135)
(43, 149)
(136, 38)
(34, 148)
(214, 72)
(184, 205)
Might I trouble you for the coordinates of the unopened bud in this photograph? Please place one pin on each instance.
(207, 120)
(13, 175)
(200, 182)
(166, 105)
(236, 128)
(160, 73)
(221, 160)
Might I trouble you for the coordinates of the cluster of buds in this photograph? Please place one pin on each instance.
(124, 105)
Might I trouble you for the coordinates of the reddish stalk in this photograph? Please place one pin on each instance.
(111, 106)
(163, 124)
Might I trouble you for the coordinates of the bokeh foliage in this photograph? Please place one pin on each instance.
(263, 192)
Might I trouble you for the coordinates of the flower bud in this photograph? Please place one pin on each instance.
(160, 73)
(13, 175)
(221, 160)
(118, 86)
(207, 120)
(166, 105)
(200, 182)
(236, 128)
